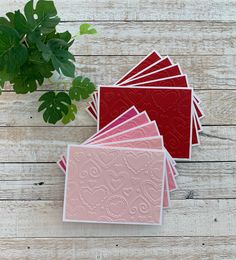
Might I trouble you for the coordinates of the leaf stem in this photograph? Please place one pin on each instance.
(24, 40)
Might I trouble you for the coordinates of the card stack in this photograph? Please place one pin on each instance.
(125, 172)
(158, 86)
(122, 174)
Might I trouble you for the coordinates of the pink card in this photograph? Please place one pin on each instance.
(137, 120)
(123, 126)
(152, 143)
(129, 113)
(146, 130)
(149, 143)
(143, 131)
(117, 185)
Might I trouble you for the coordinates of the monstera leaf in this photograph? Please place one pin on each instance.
(32, 50)
(86, 28)
(70, 116)
(57, 51)
(13, 53)
(81, 88)
(54, 106)
(43, 18)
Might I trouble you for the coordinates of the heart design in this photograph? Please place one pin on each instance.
(116, 206)
(127, 191)
(106, 158)
(152, 192)
(93, 197)
(136, 162)
(116, 180)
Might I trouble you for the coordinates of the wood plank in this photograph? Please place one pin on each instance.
(135, 248)
(39, 144)
(172, 38)
(21, 110)
(46, 181)
(223, 10)
(204, 72)
(47, 144)
(184, 218)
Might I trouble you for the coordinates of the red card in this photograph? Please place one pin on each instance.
(92, 113)
(147, 61)
(161, 64)
(171, 71)
(178, 81)
(171, 108)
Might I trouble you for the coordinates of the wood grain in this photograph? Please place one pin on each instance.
(201, 223)
(40, 144)
(21, 110)
(45, 181)
(204, 72)
(137, 10)
(184, 218)
(135, 248)
(172, 38)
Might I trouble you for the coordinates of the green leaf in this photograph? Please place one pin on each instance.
(81, 88)
(66, 36)
(28, 78)
(55, 106)
(13, 54)
(86, 28)
(70, 116)
(43, 17)
(23, 85)
(57, 51)
(18, 21)
(40, 65)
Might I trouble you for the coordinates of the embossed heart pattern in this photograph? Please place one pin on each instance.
(154, 72)
(134, 131)
(120, 185)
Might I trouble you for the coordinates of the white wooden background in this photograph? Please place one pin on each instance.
(201, 224)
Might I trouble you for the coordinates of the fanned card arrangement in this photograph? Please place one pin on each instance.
(125, 172)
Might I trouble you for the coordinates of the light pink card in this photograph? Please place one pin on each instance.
(139, 132)
(116, 185)
(146, 130)
(137, 120)
(149, 143)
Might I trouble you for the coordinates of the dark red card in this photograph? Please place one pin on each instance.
(165, 62)
(147, 61)
(171, 108)
(178, 81)
(164, 73)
